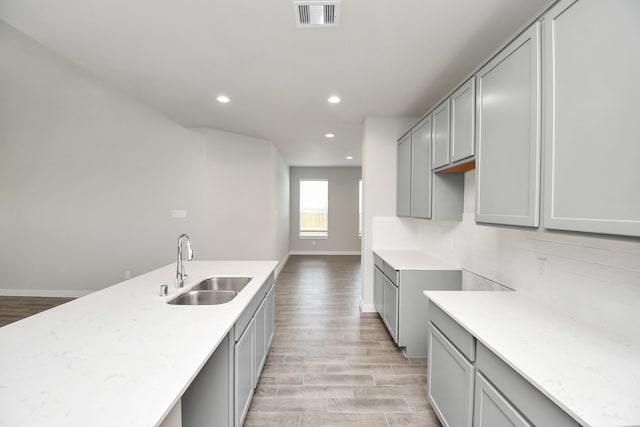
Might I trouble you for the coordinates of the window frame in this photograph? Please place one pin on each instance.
(360, 216)
(326, 232)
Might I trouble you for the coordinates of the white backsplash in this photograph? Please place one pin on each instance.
(473, 282)
(592, 278)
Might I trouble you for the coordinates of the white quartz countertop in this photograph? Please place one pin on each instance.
(594, 377)
(117, 357)
(412, 260)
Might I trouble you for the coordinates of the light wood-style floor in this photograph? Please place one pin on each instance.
(15, 308)
(330, 364)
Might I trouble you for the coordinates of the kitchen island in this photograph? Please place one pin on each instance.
(120, 356)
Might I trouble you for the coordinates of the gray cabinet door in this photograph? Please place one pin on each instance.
(592, 147)
(269, 325)
(441, 133)
(491, 409)
(259, 342)
(390, 317)
(508, 134)
(403, 203)
(450, 385)
(243, 373)
(378, 290)
(463, 121)
(421, 169)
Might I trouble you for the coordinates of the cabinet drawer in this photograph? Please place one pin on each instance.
(535, 406)
(391, 273)
(463, 340)
(378, 262)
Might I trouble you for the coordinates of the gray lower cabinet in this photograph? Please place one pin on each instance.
(463, 110)
(252, 347)
(527, 400)
(244, 374)
(450, 384)
(469, 383)
(221, 393)
(508, 134)
(269, 326)
(399, 300)
(591, 110)
(378, 290)
(403, 194)
(441, 134)
(492, 409)
(260, 337)
(390, 308)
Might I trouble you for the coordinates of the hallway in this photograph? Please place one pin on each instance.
(330, 364)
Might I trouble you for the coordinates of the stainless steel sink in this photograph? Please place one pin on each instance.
(194, 297)
(235, 284)
(212, 291)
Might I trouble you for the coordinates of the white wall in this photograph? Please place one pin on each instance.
(589, 277)
(378, 187)
(247, 199)
(343, 210)
(280, 206)
(89, 178)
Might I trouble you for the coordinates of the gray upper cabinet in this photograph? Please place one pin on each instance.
(463, 110)
(592, 63)
(508, 134)
(421, 193)
(441, 133)
(421, 176)
(403, 194)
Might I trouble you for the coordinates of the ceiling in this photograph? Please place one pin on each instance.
(386, 58)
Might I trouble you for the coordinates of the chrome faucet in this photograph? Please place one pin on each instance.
(180, 273)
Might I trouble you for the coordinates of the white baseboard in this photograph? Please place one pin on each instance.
(367, 308)
(280, 265)
(324, 253)
(62, 293)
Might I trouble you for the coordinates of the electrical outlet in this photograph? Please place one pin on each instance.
(313, 243)
(178, 214)
(127, 274)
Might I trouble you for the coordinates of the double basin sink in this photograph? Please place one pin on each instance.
(212, 291)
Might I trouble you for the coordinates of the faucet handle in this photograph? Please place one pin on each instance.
(189, 251)
(164, 290)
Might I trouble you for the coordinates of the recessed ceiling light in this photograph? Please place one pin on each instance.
(223, 99)
(333, 99)
(329, 135)
(349, 158)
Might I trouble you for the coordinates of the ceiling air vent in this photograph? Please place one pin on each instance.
(317, 14)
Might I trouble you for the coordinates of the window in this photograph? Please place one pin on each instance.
(314, 209)
(360, 209)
